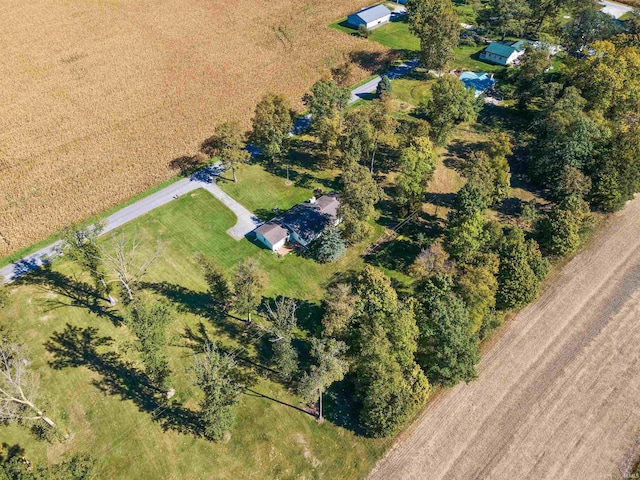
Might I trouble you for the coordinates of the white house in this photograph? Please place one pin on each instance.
(302, 224)
(272, 235)
(371, 17)
(503, 53)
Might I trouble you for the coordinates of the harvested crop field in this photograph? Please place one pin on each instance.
(97, 98)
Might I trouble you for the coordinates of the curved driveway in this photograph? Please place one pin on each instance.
(204, 178)
(558, 395)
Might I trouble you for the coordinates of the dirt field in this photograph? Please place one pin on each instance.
(97, 97)
(558, 395)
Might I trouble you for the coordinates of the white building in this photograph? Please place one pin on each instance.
(370, 18)
(502, 53)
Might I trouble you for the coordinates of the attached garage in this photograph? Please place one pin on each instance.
(272, 235)
(370, 18)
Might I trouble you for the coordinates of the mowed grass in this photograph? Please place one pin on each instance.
(396, 36)
(271, 439)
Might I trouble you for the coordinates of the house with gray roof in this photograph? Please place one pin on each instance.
(503, 53)
(272, 235)
(370, 18)
(302, 224)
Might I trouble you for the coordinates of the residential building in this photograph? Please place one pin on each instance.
(370, 18)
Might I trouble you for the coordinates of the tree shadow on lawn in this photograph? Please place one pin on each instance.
(458, 154)
(196, 340)
(79, 293)
(83, 347)
(201, 304)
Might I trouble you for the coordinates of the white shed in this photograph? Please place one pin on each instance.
(371, 17)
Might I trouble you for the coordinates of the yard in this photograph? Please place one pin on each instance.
(101, 399)
(396, 36)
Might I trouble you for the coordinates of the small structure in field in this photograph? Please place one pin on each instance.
(503, 53)
(370, 18)
(479, 82)
(302, 224)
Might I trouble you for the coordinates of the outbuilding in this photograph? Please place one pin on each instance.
(503, 53)
(370, 18)
(272, 235)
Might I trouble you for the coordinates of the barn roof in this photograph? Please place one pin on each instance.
(374, 13)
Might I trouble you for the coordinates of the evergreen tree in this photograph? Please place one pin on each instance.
(384, 87)
(149, 325)
(222, 382)
(522, 268)
(331, 245)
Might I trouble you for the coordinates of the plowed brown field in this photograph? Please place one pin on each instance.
(97, 97)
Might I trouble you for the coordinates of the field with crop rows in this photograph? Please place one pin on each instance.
(97, 98)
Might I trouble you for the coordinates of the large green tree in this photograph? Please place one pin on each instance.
(339, 305)
(505, 17)
(389, 382)
(417, 163)
(360, 193)
(521, 270)
(560, 231)
(149, 325)
(283, 322)
(249, 281)
(228, 143)
(326, 96)
(437, 26)
(530, 77)
(450, 103)
(331, 366)
(448, 348)
(221, 381)
(464, 236)
(272, 125)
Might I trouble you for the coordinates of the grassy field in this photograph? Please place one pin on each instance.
(102, 401)
(102, 99)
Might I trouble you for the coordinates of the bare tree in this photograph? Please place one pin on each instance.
(127, 262)
(18, 386)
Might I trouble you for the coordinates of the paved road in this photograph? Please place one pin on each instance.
(396, 72)
(615, 9)
(246, 223)
(558, 395)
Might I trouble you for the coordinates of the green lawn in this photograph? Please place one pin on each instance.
(396, 36)
(466, 13)
(411, 90)
(102, 402)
